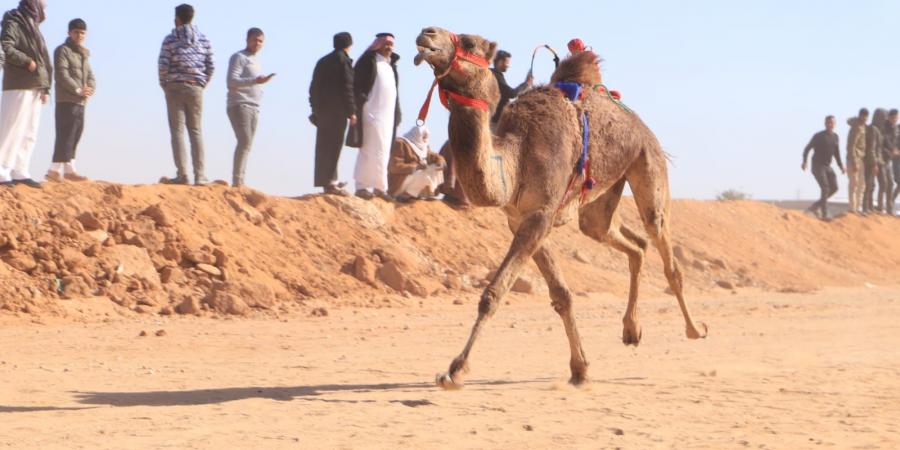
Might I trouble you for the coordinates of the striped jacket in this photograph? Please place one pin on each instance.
(186, 56)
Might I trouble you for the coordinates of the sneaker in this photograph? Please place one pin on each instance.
(28, 182)
(176, 180)
(53, 176)
(364, 194)
(75, 177)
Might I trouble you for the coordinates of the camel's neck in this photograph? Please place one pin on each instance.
(485, 166)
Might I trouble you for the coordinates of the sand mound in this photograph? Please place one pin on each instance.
(221, 251)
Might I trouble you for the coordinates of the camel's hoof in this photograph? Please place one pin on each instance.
(697, 334)
(632, 335)
(446, 383)
(579, 381)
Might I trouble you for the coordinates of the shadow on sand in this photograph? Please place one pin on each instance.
(215, 396)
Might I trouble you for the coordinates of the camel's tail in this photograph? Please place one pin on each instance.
(582, 68)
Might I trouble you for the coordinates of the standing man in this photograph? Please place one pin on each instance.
(75, 84)
(826, 146)
(891, 152)
(856, 153)
(376, 87)
(502, 62)
(185, 68)
(332, 101)
(245, 80)
(27, 78)
(873, 160)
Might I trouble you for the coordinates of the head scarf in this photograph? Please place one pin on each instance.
(381, 40)
(417, 137)
(33, 9)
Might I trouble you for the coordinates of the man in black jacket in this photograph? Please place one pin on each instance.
(332, 100)
(507, 92)
(378, 102)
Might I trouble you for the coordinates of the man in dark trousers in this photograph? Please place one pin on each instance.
(826, 146)
(333, 105)
(501, 64)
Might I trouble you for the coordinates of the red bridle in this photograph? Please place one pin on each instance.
(445, 94)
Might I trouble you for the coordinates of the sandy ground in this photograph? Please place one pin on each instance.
(778, 371)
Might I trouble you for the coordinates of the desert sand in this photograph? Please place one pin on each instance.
(779, 371)
(161, 317)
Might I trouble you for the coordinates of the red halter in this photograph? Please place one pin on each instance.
(445, 94)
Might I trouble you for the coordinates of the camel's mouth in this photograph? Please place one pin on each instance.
(425, 52)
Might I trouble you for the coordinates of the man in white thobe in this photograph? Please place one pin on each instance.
(26, 86)
(376, 88)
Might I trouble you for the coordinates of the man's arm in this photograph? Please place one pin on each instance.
(397, 164)
(314, 88)
(8, 40)
(837, 154)
(505, 89)
(165, 61)
(210, 66)
(235, 68)
(65, 81)
(347, 84)
(809, 147)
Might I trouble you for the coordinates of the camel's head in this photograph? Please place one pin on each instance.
(437, 47)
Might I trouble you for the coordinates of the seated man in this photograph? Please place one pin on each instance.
(451, 188)
(414, 170)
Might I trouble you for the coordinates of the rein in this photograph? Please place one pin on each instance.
(445, 94)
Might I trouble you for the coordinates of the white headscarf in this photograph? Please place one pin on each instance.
(418, 139)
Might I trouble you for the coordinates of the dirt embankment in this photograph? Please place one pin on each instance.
(221, 251)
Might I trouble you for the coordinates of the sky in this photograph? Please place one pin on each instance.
(733, 90)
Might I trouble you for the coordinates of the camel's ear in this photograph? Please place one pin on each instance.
(489, 47)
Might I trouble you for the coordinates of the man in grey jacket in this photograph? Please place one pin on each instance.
(27, 78)
(244, 96)
(75, 84)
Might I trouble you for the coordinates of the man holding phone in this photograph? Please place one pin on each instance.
(245, 93)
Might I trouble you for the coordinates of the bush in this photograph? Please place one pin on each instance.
(732, 195)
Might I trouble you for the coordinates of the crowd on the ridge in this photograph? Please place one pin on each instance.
(873, 163)
(355, 105)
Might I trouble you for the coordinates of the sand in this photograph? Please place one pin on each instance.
(778, 371)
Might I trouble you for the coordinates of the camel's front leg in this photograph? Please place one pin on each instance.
(529, 237)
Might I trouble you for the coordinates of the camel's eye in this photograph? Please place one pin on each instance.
(468, 43)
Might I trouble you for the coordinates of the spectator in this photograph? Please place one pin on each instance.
(415, 171)
(75, 84)
(245, 80)
(856, 153)
(451, 188)
(892, 155)
(827, 147)
(333, 105)
(185, 68)
(26, 86)
(502, 62)
(874, 158)
(376, 87)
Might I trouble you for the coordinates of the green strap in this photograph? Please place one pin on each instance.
(613, 99)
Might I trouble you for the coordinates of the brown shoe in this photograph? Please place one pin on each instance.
(75, 177)
(335, 190)
(53, 176)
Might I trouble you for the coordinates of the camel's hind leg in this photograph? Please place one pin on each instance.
(529, 237)
(649, 182)
(562, 303)
(598, 220)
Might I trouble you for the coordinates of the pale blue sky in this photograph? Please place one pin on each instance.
(733, 90)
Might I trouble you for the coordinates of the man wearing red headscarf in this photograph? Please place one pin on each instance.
(27, 76)
(375, 84)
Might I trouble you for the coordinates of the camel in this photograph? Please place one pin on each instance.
(526, 168)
